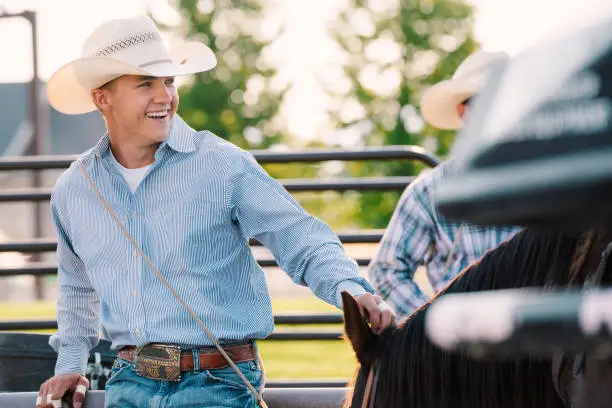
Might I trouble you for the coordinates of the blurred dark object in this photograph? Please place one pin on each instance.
(27, 360)
(537, 146)
(522, 322)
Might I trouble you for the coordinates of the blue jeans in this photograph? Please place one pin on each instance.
(209, 388)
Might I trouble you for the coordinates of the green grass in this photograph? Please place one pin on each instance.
(307, 360)
(286, 360)
(283, 360)
(27, 310)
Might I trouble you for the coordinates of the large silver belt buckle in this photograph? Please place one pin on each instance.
(158, 362)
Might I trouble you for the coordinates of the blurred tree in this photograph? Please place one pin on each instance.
(387, 52)
(390, 51)
(239, 100)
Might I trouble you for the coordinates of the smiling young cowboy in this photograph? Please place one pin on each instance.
(156, 206)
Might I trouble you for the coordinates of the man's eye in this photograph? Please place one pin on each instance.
(145, 84)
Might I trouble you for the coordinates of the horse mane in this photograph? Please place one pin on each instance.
(586, 260)
(413, 372)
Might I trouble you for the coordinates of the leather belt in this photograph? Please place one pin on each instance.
(210, 359)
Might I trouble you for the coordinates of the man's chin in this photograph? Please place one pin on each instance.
(159, 132)
(160, 137)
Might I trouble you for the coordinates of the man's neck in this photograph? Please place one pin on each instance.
(134, 157)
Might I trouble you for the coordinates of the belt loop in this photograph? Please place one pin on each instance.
(196, 360)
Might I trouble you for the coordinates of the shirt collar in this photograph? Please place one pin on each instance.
(181, 136)
(180, 139)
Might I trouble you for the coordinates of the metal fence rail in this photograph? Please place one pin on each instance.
(45, 268)
(276, 335)
(295, 319)
(340, 185)
(416, 153)
(306, 384)
(50, 244)
(274, 397)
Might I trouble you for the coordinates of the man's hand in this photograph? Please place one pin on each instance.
(375, 311)
(52, 390)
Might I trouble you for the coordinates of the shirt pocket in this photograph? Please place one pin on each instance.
(96, 234)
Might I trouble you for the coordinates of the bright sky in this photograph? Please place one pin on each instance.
(508, 25)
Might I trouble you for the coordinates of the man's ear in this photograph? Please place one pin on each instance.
(356, 328)
(100, 98)
(461, 110)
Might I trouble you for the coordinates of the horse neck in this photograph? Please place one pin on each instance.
(416, 373)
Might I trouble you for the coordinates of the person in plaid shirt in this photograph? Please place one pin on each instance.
(417, 234)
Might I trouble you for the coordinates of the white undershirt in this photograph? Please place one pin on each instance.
(133, 177)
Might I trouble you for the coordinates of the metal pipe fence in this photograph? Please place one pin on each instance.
(41, 245)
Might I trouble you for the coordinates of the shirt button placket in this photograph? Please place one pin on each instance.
(134, 278)
(137, 299)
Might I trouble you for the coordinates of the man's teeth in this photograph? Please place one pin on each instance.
(157, 114)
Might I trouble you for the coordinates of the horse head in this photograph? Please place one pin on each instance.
(367, 348)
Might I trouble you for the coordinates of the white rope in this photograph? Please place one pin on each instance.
(454, 247)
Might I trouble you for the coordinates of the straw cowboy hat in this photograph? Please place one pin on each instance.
(439, 103)
(131, 46)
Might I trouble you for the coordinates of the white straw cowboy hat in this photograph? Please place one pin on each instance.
(131, 46)
(439, 103)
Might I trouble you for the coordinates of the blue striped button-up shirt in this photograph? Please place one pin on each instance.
(418, 234)
(192, 214)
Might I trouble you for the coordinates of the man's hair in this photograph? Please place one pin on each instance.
(107, 85)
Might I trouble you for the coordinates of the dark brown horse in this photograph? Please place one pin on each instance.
(410, 371)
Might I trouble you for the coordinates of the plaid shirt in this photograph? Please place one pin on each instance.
(417, 234)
